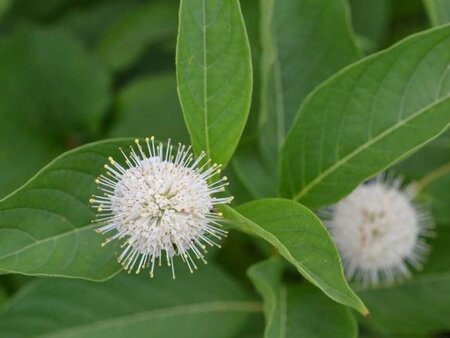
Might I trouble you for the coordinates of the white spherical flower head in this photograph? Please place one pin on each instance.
(162, 205)
(379, 230)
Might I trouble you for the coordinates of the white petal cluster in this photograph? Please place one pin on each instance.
(161, 205)
(379, 231)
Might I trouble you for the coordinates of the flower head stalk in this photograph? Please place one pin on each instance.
(380, 231)
(161, 204)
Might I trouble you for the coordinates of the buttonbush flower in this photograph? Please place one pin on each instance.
(380, 230)
(161, 204)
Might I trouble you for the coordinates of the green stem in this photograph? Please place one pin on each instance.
(432, 176)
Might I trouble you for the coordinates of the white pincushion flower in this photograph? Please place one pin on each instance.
(379, 231)
(162, 205)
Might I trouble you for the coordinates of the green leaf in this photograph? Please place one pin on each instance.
(371, 19)
(251, 171)
(214, 75)
(420, 305)
(302, 239)
(90, 23)
(150, 105)
(4, 6)
(298, 310)
(207, 304)
(46, 225)
(126, 41)
(301, 47)
(3, 296)
(438, 11)
(53, 95)
(367, 117)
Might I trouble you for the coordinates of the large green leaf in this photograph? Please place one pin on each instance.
(302, 239)
(301, 47)
(214, 75)
(207, 304)
(46, 225)
(150, 104)
(367, 117)
(126, 40)
(438, 11)
(53, 95)
(298, 310)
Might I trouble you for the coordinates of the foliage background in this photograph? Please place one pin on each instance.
(73, 72)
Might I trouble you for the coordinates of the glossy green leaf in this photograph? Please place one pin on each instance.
(53, 95)
(298, 310)
(438, 11)
(206, 304)
(214, 75)
(149, 105)
(302, 239)
(420, 305)
(45, 226)
(127, 39)
(367, 117)
(301, 47)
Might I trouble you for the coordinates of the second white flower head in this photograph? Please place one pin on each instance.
(378, 229)
(162, 204)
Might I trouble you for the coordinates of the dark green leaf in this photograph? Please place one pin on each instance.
(302, 239)
(214, 75)
(149, 106)
(127, 39)
(367, 117)
(207, 304)
(300, 310)
(301, 47)
(46, 225)
(371, 19)
(53, 95)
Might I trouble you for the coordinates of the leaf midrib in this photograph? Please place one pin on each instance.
(363, 147)
(272, 239)
(205, 79)
(167, 312)
(63, 234)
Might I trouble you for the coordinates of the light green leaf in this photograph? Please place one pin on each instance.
(420, 305)
(214, 75)
(302, 239)
(150, 104)
(127, 39)
(301, 47)
(53, 95)
(45, 226)
(298, 310)
(438, 11)
(367, 117)
(207, 304)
